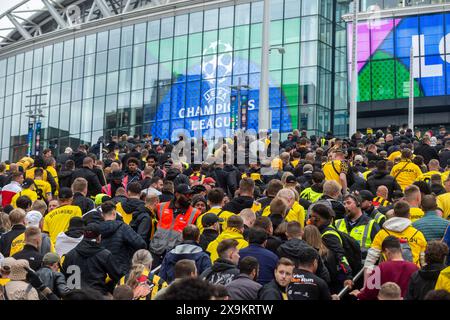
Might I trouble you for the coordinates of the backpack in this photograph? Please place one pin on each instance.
(350, 176)
(352, 250)
(406, 248)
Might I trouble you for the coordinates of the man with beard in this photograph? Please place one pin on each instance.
(173, 217)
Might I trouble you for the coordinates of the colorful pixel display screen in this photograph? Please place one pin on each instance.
(384, 49)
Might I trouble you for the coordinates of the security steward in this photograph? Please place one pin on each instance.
(357, 224)
(173, 217)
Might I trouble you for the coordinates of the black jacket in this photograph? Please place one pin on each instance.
(227, 178)
(238, 204)
(273, 243)
(444, 157)
(177, 177)
(132, 204)
(141, 223)
(95, 263)
(7, 238)
(84, 203)
(31, 254)
(65, 178)
(423, 281)
(382, 178)
(122, 242)
(55, 281)
(427, 152)
(94, 186)
(271, 291)
(207, 237)
(221, 272)
(291, 250)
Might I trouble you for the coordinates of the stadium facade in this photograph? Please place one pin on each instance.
(109, 67)
(387, 30)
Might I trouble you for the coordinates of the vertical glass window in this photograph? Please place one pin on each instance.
(57, 52)
(2, 68)
(196, 22)
(78, 64)
(89, 65)
(56, 72)
(19, 62)
(86, 116)
(310, 7)
(309, 28)
(153, 30)
(113, 80)
(276, 33)
(125, 57)
(138, 78)
(68, 49)
(124, 80)
(113, 60)
(292, 30)
(79, 47)
(64, 119)
(77, 88)
(151, 75)
(242, 15)
(211, 19)
(241, 37)
(226, 36)
(140, 32)
(37, 57)
(226, 17)
(100, 85)
(75, 117)
(139, 55)
(26, 81)
(46, 75)
(181, 24)
(11, 65)
(48, 54)
(55, 94)
(165, 53)
(18, 82)
(195, 45)
(257, 11)
(180, 47)
(114, 38)
(67, 70)
(152, 52)
(276, 9)
(292, 8)
(127, 36)
(88, 87)
(291, 57)
(308, 54)
(91, 43)
(100, 66)
(37, 74)
(66, 88)
(102, 41)
(167, 27)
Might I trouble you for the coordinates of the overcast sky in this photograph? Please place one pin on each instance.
(6, 4)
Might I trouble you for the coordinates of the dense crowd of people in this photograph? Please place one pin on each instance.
(362, 218)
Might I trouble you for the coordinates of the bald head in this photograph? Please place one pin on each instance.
(88, 162)
(382, 191)
(288, 195)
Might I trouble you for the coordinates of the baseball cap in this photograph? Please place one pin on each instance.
(307, 167)
(33, 218)
(209, 219)
(291, 179)
(27, 183)
(198, 188)
(209, 180)
(366, 195)
(50, 258)
(184, 189)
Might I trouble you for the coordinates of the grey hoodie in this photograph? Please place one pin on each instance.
(394, 224)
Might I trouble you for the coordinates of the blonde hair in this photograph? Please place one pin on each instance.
(39, 205)
(312, 236)
(142, 259)
(5, 223)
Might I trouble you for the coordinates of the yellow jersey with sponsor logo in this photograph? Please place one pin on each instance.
(406, 172)
(57, 221)
(19, 242)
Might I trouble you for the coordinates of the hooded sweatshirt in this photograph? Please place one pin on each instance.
(402, 229)
(127, 208)
(292, 248)
(122, 241)
(238, 204)
(423, 281)
(66, 241)
(95, 263)
(222, 272)
(229, 233)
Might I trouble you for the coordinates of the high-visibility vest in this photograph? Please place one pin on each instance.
(310, 195)
(360, 233)
(166, 219)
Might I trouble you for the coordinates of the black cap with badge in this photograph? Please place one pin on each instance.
(209, 219)
(184, 189)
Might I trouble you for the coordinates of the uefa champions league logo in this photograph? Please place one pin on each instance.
(218, 66)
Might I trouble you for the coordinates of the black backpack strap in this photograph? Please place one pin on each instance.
(334, 168)
(401, 170)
